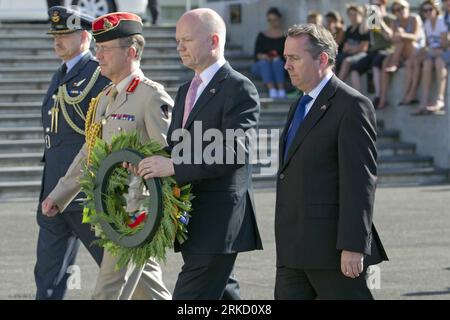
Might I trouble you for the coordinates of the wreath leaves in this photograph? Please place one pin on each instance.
(176, 203)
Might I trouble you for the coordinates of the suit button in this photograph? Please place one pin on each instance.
(47, 129)
(119, 129)
(103, 121)
(282, 176)
(49, 112)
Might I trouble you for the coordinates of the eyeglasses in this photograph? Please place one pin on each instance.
(429, 9)
(398, 9)
(99, 49)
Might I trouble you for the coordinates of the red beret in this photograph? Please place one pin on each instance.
(116, 25)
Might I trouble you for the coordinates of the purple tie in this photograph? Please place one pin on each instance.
(190, 97)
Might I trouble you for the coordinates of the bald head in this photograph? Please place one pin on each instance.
(208, 22)
(200, 36)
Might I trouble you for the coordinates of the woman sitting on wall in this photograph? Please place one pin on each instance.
(269, 48)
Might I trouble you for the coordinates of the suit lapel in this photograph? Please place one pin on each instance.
(318, 110)
(210, 91)
(76, 69)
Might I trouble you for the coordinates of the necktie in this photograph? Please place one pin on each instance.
(63, 69)
(297, 120)
(190, 97)
(111, 97)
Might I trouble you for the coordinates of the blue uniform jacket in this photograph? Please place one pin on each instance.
(62, 146)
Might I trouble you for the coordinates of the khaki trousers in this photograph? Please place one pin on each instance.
(132, 282)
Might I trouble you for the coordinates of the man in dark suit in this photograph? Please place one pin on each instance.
(63, 116)
(326, 181)
(223, 218)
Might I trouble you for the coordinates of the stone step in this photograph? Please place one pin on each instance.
(20, 29)
(19, 133)
(416, 176)
(25, 173)
(42, 83)
(17, 100)
(404, 162)
(47, 49)
(395, 148)
(20, 159)
(154, 59)
(45, 40)
(386, 177)
(151, 71)
(20, 120)
(385, 150)
(270, 158)
(388, 135)
(28, 96)
(47, 72)
(19, 146)
(19, 190)
(22, 107)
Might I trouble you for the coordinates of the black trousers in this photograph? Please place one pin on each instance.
(207, 277)
(298, 284)
(57, 247)
(52, 3)
(154, 10)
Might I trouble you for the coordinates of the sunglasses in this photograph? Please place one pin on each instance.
(427, 9)
(398, 9)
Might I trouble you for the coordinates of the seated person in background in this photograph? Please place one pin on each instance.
(335, 24)
(446, 7)
(408, 40)
(436, 36)
(269, 63)
(378, 22)
(314, 17)
(356, 42)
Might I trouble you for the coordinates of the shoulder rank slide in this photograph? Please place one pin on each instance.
(133, 85)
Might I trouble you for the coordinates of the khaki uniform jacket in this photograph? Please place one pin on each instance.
(146, 108)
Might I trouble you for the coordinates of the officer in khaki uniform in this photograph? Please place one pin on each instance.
(64, 108)
(132, 102)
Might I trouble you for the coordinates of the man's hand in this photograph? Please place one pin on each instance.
(49, 207)
(130, 167)
(351, 263)
(156, 167)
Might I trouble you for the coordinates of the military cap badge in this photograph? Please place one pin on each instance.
(55, 16)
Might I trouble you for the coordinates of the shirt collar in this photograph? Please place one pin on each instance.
(72, 62)
(314, 93)
(207, 74)
(126, 81)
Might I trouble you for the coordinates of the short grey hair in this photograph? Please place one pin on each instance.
(320, 40)
(137, 41)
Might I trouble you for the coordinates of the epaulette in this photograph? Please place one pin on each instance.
(133, 84)
(153, 84)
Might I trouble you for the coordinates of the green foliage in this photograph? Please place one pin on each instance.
(170, 230)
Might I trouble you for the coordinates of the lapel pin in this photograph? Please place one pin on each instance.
(213, 91)
(323, 108)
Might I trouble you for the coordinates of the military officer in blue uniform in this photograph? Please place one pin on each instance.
(65, 105)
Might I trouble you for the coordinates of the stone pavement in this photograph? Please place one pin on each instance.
(413, 222)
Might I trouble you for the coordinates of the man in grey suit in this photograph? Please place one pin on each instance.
(223, 219)
(325, 238)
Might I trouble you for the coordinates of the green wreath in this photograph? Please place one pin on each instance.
(176, 204)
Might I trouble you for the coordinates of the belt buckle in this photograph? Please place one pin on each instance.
(47, 141)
